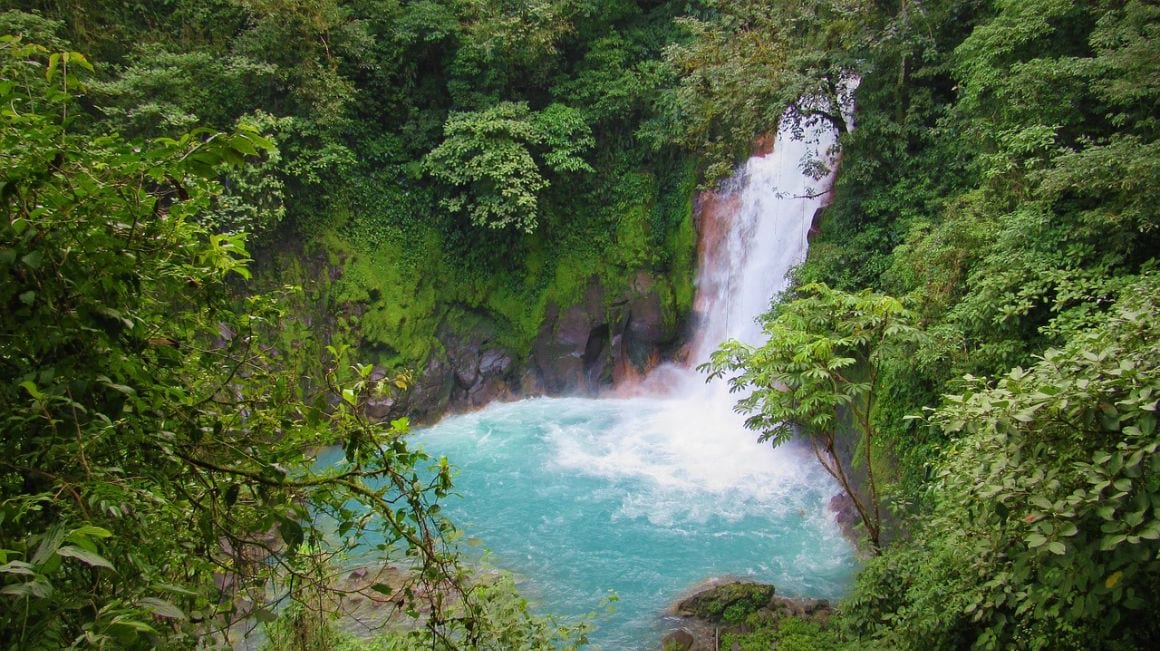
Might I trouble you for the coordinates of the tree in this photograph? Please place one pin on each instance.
(817, 374)
(818, 77)
(1069, 195)
(155, 470)
(506, 49)
(493, 159)
(746, 65)
(614, 83)
(161, 91)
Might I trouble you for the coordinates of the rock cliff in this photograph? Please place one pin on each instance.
(607, 338)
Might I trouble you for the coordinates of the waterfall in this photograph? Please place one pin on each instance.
(753, 233)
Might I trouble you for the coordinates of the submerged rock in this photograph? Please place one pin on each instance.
(679, 640)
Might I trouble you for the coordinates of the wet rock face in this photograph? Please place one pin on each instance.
(429, 396)
(557, 354)
(583, 348)
(494, 363)
(380, 408)
(568, 350)
(481, 366)
(603, 340)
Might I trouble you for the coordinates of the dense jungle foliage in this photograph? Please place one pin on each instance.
(978, 309)
(1001, 182)
(161, 405)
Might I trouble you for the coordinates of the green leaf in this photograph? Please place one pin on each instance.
(161, 608)
(1057, 548)
(1113, 579)
(38, 588)
(1134, 518)
(134, 625)
(291, 533)
(119, 388)
(30, 387)
(1036, 540)
(83, 555)
(17, 567)
(383, 588)
(1151, 531)
(49, 545)
(1110, 542)
(33, 259)
(91, 531)
(175, 589)
(243, 145)
(79, 59)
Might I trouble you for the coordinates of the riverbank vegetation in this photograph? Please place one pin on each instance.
(430, 166)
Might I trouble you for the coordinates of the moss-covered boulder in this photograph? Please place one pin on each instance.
(730, 603)
(744, 612)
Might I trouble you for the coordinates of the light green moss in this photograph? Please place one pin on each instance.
(523, 312)
(397, 284)
(394, 308)
(681, 242)
(635, 242)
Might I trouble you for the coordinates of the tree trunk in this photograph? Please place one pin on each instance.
(833, 465)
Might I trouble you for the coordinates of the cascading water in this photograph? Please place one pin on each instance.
(770, 207)
(649, 496)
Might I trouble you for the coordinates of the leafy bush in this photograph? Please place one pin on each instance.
(1044, 531)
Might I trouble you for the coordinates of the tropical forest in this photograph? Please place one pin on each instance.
(579, 324)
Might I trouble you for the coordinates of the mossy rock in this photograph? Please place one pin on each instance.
(731, 603)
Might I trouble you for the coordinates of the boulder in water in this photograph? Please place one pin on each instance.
(729, 603)
(735, 607)
(678, 640)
